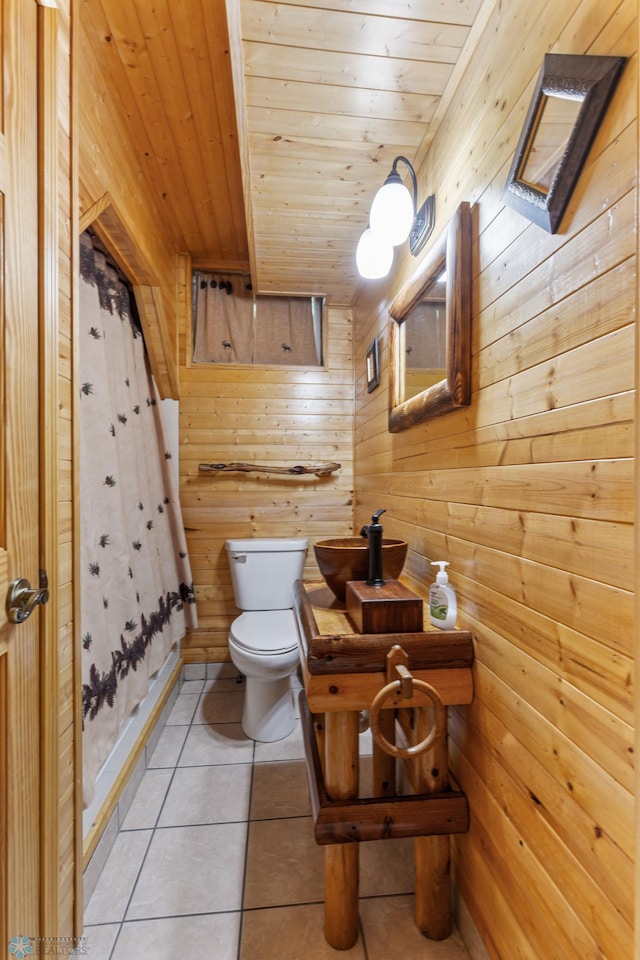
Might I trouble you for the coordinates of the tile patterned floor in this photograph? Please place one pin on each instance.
(216, 857)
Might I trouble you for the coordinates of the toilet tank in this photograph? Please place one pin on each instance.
(264, 570)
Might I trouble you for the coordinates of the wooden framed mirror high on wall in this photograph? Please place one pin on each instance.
(569, 101)
(430, 331)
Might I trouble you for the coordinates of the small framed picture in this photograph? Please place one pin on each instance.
(373, 370)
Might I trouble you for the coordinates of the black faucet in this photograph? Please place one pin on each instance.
(373, 532)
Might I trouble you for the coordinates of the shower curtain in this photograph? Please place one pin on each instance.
(137, 597)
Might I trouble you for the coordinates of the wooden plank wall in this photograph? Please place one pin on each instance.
(529, 494)
(64, 911)
(263, 415)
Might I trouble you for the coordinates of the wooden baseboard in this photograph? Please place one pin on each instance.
(213, 654)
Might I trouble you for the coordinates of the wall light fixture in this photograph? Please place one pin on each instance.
(393, 217)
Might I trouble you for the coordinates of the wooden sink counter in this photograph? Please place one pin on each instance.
(343, 672)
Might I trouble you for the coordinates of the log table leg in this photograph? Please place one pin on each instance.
(341, 859)
(384, 766)
(319, 730)
(432, 854)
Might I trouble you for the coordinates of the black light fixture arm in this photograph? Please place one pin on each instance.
(374, 255)
(424, 218)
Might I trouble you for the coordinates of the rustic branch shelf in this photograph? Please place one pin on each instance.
(318, 469)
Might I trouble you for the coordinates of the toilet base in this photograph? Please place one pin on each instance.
(268, 714)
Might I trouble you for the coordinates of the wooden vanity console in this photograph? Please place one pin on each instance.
(377, 818)
(337, 663)
(343, 672)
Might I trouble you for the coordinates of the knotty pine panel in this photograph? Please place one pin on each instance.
(562, 543)
(587, 729)
(109, 169)
(523, 441)
(600, 873)
(554, 917)
(596, 489)
(615, 439)
(264, 415)
(529, 493)
(59, 813)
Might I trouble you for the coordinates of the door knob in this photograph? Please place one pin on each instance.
(22, 598)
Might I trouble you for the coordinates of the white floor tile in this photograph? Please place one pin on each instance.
(389, 931)
(226, 669)
(195, 671)
(111, 895)
(223, 707)
(191, 870)
(147, 803)
(100, 940)
(284, 863)
(169, 746)
(291, 748)
(183, 709)
(212, 936)
(232, 683)
(217, 794)
(216, 743)
(386, 867)
(293, 933)
(280, 789)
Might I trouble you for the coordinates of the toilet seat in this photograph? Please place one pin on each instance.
(265, 631)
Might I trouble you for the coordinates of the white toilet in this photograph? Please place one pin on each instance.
(263, 640)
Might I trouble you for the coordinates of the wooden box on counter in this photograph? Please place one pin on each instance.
(389, 608)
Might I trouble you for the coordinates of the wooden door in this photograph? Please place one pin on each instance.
(19, 472)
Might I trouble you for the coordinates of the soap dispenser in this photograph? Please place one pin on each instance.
(443, 606)
(373, 532)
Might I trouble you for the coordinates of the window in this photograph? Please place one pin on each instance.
(233, 325)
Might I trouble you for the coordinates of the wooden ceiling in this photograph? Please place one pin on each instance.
(265, 128)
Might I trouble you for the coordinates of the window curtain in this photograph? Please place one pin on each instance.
(234, 326)
(223, 308)
(137, 598)
(285, 331)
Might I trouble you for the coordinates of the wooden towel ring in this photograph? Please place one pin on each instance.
(437, 727)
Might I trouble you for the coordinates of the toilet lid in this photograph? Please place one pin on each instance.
(266, 631)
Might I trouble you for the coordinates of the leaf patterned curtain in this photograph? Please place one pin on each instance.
(136, 586)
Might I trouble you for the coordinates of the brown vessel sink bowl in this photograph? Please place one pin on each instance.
(347, 558)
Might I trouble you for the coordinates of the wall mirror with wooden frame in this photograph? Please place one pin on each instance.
(569, 101)
(430, 331)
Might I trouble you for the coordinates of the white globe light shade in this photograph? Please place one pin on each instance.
(374, 256)
(391, 214)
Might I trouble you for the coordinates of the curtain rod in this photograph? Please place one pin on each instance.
(222, 270)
